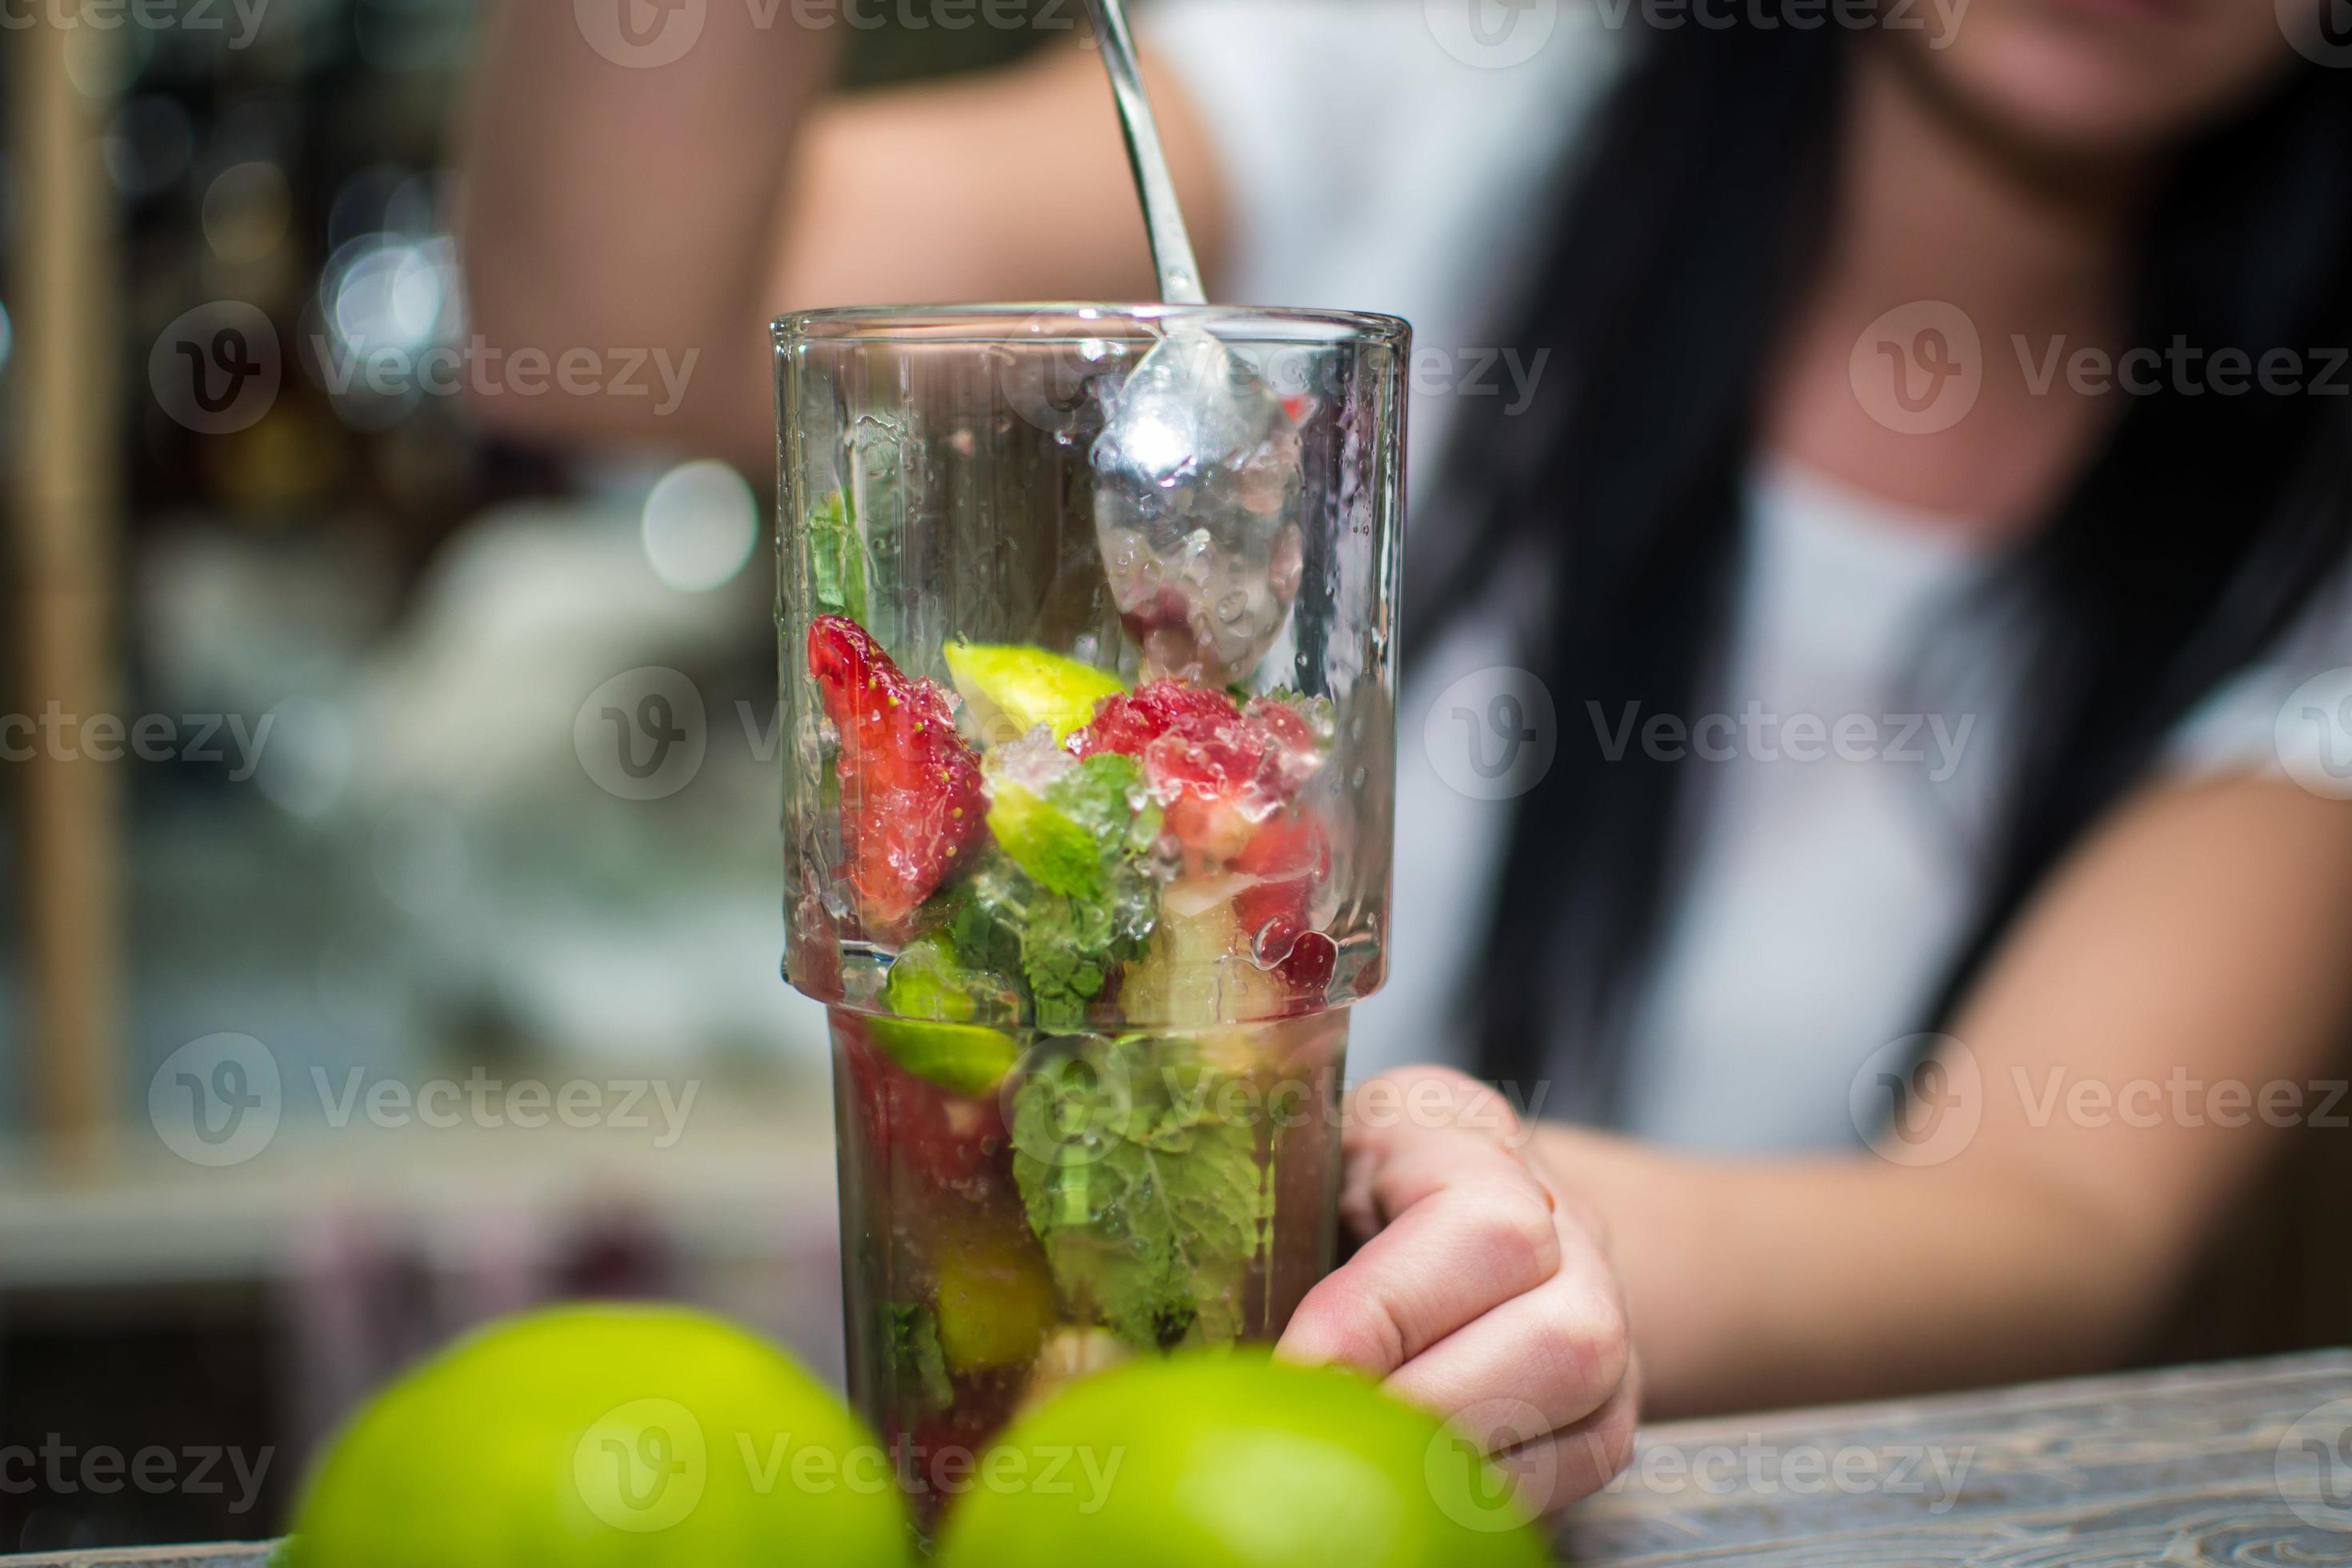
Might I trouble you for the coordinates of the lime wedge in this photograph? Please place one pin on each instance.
(963, 1058)
(995, 1305)
(1012, 688)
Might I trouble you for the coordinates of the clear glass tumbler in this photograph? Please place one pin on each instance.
(1087, 813)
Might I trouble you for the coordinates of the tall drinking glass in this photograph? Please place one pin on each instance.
(1087, 815)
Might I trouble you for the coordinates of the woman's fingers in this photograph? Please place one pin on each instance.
(1554, 1354)
(1551, 1471)
(1481, 1293)
(1473, 1229)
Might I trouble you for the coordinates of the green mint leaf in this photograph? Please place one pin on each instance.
(1068, 948)
(838, 557)
(919, 1366)
(1078, 836)
(1151, 1207)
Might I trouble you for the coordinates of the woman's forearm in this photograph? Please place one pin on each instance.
(617, 200)
(1761, 1283)
(2199, 939)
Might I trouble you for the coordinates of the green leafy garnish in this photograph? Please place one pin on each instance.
(910, 1334)
(1068, 947)
(838, 557)
(1151, 1204)
(1087, 827)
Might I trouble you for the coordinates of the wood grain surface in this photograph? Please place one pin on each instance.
(2248, 1465)
(2217, 1465)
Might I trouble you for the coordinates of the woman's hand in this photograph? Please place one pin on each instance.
(1482, 1290)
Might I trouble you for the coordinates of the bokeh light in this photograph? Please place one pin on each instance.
(701, 522)
(247, 208)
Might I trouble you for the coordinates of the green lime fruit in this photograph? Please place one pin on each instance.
(1012, 688)
(963, 1058)
(1210, 1459)
(929, 982)
(1077, 836)
(602, 1436)
(995, 1305)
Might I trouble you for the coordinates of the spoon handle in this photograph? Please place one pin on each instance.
(1171, 247)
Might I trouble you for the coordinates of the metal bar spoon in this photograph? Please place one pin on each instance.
(1199, 483)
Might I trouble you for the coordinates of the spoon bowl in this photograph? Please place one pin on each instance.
(1197, 482)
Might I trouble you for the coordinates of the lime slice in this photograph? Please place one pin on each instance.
(1012, 688)
(995, 1305)
(963, 1058)
(927, 981)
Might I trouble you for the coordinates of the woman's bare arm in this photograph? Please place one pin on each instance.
(680, 207)
(2198, 942)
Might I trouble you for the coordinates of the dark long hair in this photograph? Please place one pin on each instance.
(2183, 550)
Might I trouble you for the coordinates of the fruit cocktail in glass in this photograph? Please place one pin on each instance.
(1087, 818)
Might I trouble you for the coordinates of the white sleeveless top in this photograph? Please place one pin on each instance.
(1396, 155)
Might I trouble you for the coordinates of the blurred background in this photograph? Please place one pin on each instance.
(359, 980)
(352, 989)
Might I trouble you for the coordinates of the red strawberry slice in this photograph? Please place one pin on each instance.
(1294, 750)
(910, 793)
(1218, 772)
(1291, 857)
(1128, 724)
